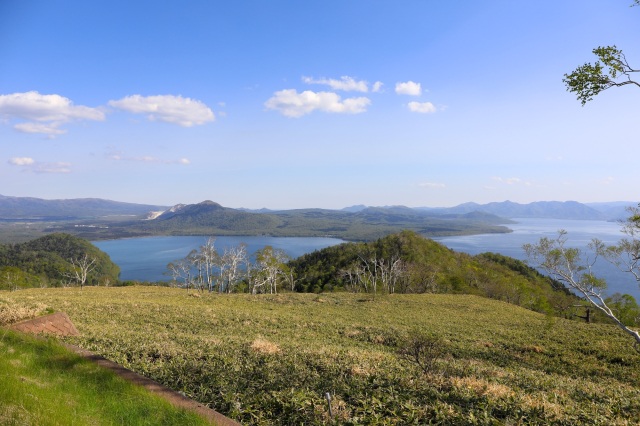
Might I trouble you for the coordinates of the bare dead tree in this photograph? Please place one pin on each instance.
(81, 268)
(209, 258)
(270, 263)
(230, 266)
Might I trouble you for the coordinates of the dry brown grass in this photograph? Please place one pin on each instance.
(482, 387)
(264, 346)
(12, 312)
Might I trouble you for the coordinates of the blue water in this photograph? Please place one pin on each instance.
(146, 258)
(580, 233)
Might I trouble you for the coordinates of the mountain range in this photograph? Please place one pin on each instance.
(95, 218)
(38, 208)
(546, 210)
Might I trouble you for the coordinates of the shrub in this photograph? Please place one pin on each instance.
(422, 349)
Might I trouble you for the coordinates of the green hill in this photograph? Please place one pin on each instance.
(48, 261)
(427, 266)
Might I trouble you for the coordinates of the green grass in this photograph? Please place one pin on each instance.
(43, 383)
(270, 359)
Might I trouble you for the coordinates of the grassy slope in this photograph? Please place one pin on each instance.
(45, 384)
(270, 359)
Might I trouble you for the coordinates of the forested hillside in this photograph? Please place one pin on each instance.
(409, 263)
(55, 260)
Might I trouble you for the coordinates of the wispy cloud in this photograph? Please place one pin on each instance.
(185, 112)
(44, 114)
(290, 103)
(422, 107)
(30, 165)
(21, 161)
(119, 156)
(346, 83)
(508, 181)
(432, 185)
(608, 180)
(408, 88)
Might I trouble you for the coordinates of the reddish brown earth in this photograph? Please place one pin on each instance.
(60, 324)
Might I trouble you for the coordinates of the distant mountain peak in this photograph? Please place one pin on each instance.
(355, 209)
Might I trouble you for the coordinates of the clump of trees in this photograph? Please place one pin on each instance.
(232, 270)
(55, 260)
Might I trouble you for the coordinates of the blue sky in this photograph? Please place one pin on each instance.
(292, 104)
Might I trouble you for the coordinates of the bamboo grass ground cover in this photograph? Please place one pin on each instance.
(270, 359)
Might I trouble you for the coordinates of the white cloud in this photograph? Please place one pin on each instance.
(30, 165)
(47, 129)
(346, 83)
(148, 159)
(44, 113)
(432, 185)
(21, 161)
(58, 167)
(184, 112)
(118, 156)
(608, 180)
(422, 107)
(377, 87)
(290, 103)
(408, 88)
(508, 181)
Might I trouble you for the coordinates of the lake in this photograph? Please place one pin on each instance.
(580, 233)
(146, 258)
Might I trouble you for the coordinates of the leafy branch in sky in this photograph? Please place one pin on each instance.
(610, 70)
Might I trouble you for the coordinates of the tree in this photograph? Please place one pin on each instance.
(181, 270)
(11, 276)
(270, 265)
(611, 70)
(208, 258)
(81, 268)
(575, 269)
(230, 266)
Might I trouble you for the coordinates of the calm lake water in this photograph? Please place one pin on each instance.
(146, 258)
(580, 233)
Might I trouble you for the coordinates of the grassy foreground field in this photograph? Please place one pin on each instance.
(270, 359)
